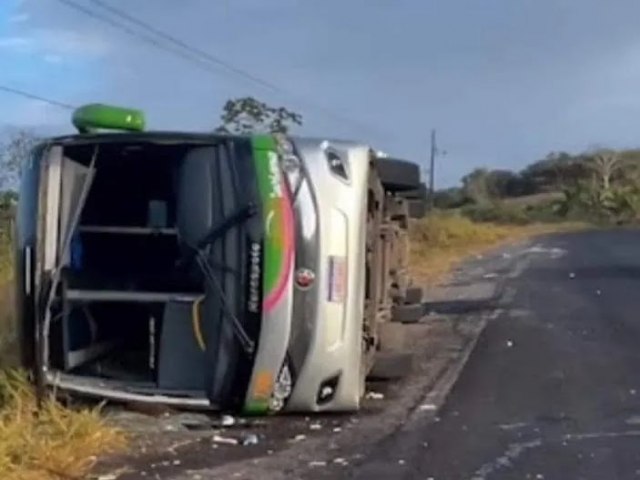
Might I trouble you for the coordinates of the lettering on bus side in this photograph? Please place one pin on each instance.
(255, 253)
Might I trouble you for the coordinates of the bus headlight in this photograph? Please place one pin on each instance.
(282, 389)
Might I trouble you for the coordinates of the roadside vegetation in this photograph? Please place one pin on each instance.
(54, 442)
(601, 186)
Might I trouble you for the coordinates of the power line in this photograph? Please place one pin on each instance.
(198, 56)
(33, 96)
(130, 31)
(176, 41)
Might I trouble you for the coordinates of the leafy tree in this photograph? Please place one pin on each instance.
(247, 115)
(13, 153)
(506, 184)
(629, 172)
(482, 185)
(555, 172)
(476, 186)
(604, 163)
(449, 198)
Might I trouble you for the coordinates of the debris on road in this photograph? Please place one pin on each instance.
(340, 461)
(224, 440)
(428, 407)
(572, 275)
(315, 426)
(513, 426)
(227, 421)
(299, 438)
(509, 343)
(374, 396)
(490, 275)
(250, 439)
(317, 463)
(598, 292)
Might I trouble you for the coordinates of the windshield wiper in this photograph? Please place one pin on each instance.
(245, 341)
(238, 217)
(217, 232)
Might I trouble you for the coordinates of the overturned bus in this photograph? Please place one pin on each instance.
(247, 273)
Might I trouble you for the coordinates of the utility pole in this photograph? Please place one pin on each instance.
(432, 165)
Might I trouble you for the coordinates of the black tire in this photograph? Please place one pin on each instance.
(413, 295)
(407, 313)
(419, 193)
(398, 175)
(417, 209)
(392, 366)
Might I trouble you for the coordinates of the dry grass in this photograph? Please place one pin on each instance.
(439, 242)
(53, 443)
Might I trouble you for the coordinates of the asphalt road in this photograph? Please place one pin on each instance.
(552, 390)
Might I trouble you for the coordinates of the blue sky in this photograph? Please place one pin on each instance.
(503, 81)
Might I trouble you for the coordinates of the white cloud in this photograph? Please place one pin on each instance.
(16, 43)
(19, 18)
